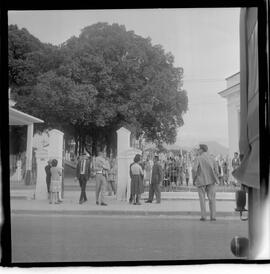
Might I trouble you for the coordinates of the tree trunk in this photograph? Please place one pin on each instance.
(80, 144)
(114, 143)
(94, 146)
(76, 145)
(83, 142)
(108, 144)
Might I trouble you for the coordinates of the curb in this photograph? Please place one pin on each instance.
(118, 213)
(92, 188)
(163, 199)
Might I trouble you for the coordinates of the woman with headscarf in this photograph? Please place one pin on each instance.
(136, 175)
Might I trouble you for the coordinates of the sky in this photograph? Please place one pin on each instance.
(204, 42)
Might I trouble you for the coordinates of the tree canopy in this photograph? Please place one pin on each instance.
(93, 84)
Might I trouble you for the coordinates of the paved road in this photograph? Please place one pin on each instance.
(120, 238)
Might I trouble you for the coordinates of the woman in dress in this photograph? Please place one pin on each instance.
(55, 187)
(136, 175)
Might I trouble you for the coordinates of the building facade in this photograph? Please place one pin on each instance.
(232, 95)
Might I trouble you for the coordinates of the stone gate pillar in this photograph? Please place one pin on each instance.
(125, 156)
(29, 147)
(123, 144)
(123, 140)
(41, 186)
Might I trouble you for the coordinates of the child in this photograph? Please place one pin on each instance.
(55, 187)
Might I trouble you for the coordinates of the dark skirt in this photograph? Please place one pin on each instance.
(137, 185)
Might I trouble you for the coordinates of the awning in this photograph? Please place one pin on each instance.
(19, 118)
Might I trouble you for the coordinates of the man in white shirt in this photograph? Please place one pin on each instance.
(101, 167)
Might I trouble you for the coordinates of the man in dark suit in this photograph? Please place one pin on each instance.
(48, 177)
(83, 175)
(156, 179)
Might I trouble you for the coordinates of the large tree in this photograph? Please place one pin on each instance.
(104, 79)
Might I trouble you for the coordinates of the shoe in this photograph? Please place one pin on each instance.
(97, 203)
(138, 203)
(80, 202)
(202, 219)
(148, 201)
(50, 202)
(134, 203)
(60, 201)
(157, 202)
(213, 219)
(103, 204)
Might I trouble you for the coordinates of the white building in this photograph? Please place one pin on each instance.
(232, 94)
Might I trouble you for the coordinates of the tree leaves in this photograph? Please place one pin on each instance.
(105, 78)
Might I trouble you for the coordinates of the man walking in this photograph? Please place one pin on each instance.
(101, 167)
(156, 180)
(83, 174)
(205, 177)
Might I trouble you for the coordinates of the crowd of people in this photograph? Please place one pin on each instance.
(197, 168)
(177, 169)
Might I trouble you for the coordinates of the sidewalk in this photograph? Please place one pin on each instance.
(173, 204)
(28, 194)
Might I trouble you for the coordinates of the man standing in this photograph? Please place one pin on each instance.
(156, 180)
(101, 167)
(235, 161)
(205, 177)
(48, 177)
(83, 174)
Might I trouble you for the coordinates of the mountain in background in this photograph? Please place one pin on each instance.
(216, 148)
(213, 148)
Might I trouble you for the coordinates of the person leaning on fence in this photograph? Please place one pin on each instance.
(136, 175)
(205, 178)
(186, 172)
(83, 175)
(235, 165)
(55, 187)
(156, 180)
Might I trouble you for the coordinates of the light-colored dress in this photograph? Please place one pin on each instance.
(55, 179)
(136, 174)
